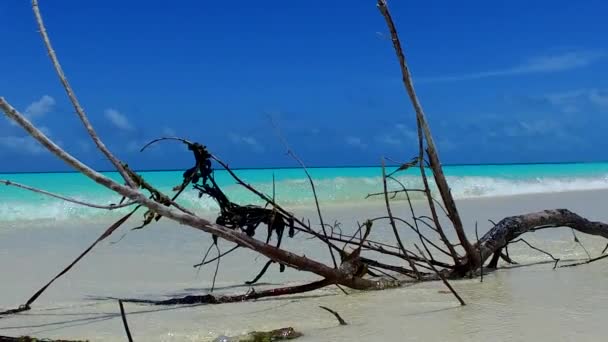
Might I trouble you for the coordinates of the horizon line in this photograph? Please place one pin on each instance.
(323, 167)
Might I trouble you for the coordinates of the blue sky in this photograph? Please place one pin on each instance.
(515, 81)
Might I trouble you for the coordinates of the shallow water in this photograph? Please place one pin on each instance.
(334, 186)
(517, 304)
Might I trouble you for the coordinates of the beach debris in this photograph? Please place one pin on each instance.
(364, 256)
(282, 334)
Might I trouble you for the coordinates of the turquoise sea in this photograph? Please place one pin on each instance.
(334, 185)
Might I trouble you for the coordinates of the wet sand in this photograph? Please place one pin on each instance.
(516, 304)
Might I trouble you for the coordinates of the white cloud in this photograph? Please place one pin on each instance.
(118, 119)
(389, 139)
(571, 101)
(541, 64)
(407, 132)
(400, 134)
(249, 141)
(540, 127)
(23, 144)
(355, 142)
(37, 108)
(40, 107)
(599, 97)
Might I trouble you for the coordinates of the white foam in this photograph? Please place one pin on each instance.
(297, 192)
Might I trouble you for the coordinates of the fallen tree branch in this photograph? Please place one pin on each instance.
(221, 299)
(510, 228)
(72, 96)
(435, 164)
(274, 253)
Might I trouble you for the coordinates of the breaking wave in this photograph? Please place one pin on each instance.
(296, 192)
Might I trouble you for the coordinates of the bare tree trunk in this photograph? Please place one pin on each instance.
(432, 153)
(510, 228)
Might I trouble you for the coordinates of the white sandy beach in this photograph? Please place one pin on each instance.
(518, 304)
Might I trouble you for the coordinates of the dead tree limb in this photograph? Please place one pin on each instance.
(72, 96)
(222, 299)
(510, 228)
(287, 258)
(432, 153)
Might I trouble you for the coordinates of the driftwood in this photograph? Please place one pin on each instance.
(357, 261)
(510, 228)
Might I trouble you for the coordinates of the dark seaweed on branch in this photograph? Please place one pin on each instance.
(246, 218)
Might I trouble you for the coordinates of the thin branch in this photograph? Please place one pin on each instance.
(397, 253)
(538, 249)
(202, 263)
(124, 321)
(416, 231)
(104, 235)
(293, 155)
(393, 192)
(392, 221)
(431, 201)
(64, 198)
(217, 267)
(481, 263)
(586, 261)
(337, 315)
(580, 244)
(72, 96)
(435, 164)
(445, 281)
(305, 227)
(260, 274)
(415, 226)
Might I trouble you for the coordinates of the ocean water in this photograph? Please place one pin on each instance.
(334, 186)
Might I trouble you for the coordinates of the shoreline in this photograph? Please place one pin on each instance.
(107, 216)
(326, 167)
(526, 303)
